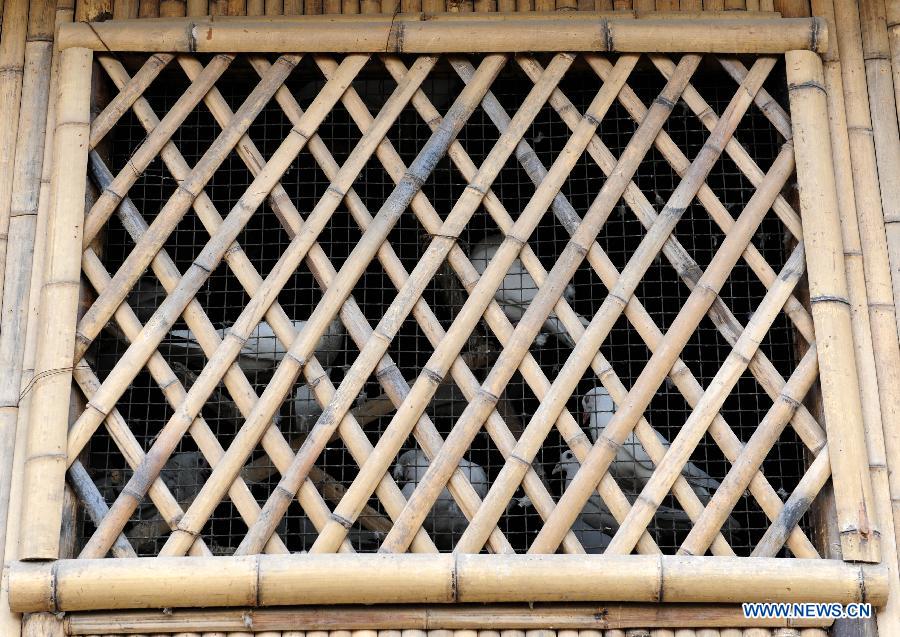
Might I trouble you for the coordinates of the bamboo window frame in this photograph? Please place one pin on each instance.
(42, 582)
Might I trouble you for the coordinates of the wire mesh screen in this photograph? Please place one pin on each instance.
(662, 291)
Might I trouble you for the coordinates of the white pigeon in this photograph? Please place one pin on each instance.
(632, 467)
(596, 514)
(518, 289)
(446, 520)
(263, 351)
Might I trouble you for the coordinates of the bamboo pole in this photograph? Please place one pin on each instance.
(198, 7)
(577, 618)
(857, 521)
(868, 366)
(22, 212)
(12, 62)
(277, 580)
(125, 9)
(892, 14)
(883, 113)
(410, 34)
(172, 8)
(148, 9)
(45, 457)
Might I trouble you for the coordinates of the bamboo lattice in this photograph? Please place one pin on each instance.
(161, 333)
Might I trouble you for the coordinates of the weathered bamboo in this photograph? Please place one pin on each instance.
(867, 366)
(45, 457)
(688, 270)
(148, 9)
(857, 521)
(95, 505)
(139, 160)
(12, 63)
(356, 440)
(22, 212)
(480, 297)
(172, 8)
(281, 451)
(718, 390)
(125, 9)
(337, 293)
(198, 7)
(270, 580)
(235, 381)
(577, 618)
(407, 298)
(537, 428)
(892, 13)
(412, 34)
(883, 112)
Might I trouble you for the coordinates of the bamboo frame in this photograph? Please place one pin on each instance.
(506, 617)
(45, 456)
(69, 585)
(415, 34)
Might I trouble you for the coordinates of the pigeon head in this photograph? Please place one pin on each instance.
(568, 464)
(596, 401)
(411, 465)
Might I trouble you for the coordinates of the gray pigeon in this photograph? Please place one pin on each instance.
(446, 520)
(518, 289)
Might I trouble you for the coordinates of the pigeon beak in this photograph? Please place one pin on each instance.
(556, 469)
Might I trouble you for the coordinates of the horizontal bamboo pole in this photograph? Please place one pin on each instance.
(505, 617)
(271, 580)
(415, 34)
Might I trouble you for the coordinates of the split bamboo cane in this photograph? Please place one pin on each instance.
(172, 435)
(139, 160)
(208, 338)
(448, 349)
(410, 293)
(12, 61)
(394, 268)
(719, 388)
(276, 580)
(178, 204)
(140, 257)
(635, 266)
(857, 523)
(686, 267)
(356, 440)
(326, 308)
(45, 464)
(474, 34)
(26, 172)
(84, 487)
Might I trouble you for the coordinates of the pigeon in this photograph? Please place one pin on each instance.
(632, 467)
(263, 351)
(597, 516)
(446, 520)
(517, 290)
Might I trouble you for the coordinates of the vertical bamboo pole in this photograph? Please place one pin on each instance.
(172, 8)
(883, 113)
(293, 7)
(643, 6)
(882, 311)
(275, 7)
(892, 13)
(831, 309)
(735, 5)
(198, 7)
(93, 10)
(792, 8)
(26, 187)
(125, 9)
(867, 365)
(45, 460)
(12, 62)
(256, 7)
(148, 9)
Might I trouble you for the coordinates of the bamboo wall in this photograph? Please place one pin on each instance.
(863, 83)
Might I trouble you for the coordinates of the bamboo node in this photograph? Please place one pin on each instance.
(799, 86)
(829, 298)
(435, 377)
(344, 522)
